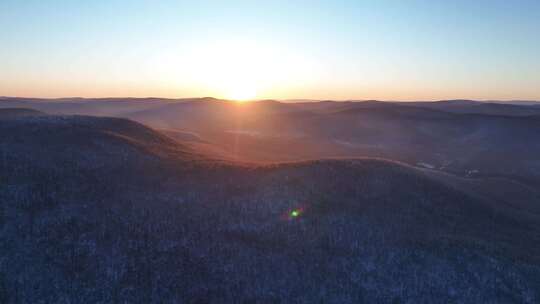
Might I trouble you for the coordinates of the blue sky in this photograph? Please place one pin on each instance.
(401, 50)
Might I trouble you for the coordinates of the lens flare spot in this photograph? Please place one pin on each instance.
(295, 213)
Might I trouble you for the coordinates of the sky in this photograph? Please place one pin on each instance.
(386, 50)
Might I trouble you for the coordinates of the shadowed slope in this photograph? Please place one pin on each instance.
(7, 113)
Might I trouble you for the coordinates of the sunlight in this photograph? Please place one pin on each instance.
(241, 92)
(237, 69)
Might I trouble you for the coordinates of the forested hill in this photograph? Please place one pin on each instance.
(106, 210)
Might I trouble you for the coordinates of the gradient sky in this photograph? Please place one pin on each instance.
(399, 50)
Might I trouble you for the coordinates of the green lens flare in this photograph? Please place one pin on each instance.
(295, 213)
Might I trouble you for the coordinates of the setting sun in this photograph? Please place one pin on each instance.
(234, 68)
(241, 92)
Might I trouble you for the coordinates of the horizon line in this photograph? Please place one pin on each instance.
(291, 100)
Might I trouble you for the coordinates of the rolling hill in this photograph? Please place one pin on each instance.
(97, 209)
(462, 137)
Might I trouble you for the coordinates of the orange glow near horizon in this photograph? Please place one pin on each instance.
(250, 69)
